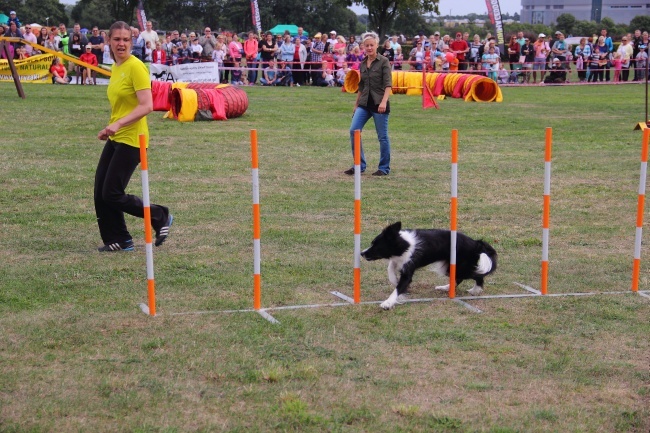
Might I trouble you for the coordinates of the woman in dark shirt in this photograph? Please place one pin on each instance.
(514, 51)
(375, 86)
(76, 49)
(387, 51)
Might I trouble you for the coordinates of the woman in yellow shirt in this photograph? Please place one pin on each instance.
(129, 93)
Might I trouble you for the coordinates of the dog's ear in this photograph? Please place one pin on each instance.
(394, 228)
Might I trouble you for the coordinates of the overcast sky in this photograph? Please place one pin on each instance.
(468, 6)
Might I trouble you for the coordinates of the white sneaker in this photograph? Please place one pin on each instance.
(297, 85)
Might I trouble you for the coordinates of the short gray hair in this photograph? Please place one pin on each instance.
(370, 35)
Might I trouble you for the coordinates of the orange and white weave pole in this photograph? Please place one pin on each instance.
(151, 285)
(546, 217)
(454, 213)
(636, 267)
(257, 278)
(357, 216)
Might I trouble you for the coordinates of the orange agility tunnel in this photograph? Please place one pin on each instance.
(187, 102)
(469, 87)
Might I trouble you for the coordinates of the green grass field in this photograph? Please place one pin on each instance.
(77, 354)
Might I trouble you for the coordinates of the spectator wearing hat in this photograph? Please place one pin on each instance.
(331, 41)
(88, 76)
(542, 49)
(459, 47)
(557, 74)
(641, 62)
(14, 19)
(317, 51)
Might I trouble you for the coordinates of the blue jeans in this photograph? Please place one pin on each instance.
(359, 119)
(252, 71)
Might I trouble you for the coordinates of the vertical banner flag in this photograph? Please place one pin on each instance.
(142, 18)
(257, 21)
(494, 11)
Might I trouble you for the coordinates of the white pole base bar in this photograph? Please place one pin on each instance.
(525, 287)
(264, 312)
(342, 296)
(267, 316)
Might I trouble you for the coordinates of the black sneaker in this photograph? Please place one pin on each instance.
(117, 246)
(350, 171)
(379, 173)
(162, 234)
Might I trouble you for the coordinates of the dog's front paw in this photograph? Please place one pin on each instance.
(390, 302)
(475, 291)
(444, 288)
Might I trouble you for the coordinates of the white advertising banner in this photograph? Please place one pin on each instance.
(204, 72)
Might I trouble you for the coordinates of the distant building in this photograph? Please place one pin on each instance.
(546, 11)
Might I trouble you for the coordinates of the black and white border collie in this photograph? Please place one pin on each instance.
(409, 250)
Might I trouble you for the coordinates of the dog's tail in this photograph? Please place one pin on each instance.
(487, 262)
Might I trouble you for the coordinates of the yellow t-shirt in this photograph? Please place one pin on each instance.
(126, 79)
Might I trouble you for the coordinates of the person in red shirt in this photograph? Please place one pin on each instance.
(460, 47)
(250, 51)
(158, 56)
(88, 76)
(59, 73)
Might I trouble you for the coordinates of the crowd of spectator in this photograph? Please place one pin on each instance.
(324, 58)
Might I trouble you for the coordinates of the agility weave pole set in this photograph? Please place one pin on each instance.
(257, 290)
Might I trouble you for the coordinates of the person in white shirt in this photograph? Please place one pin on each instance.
(626, 51)
(394, 44)
(332, 40)
(196, 48)
(29, 36)
(149, 35)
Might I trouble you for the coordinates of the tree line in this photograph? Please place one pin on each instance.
(313, 15)
(407, 17)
